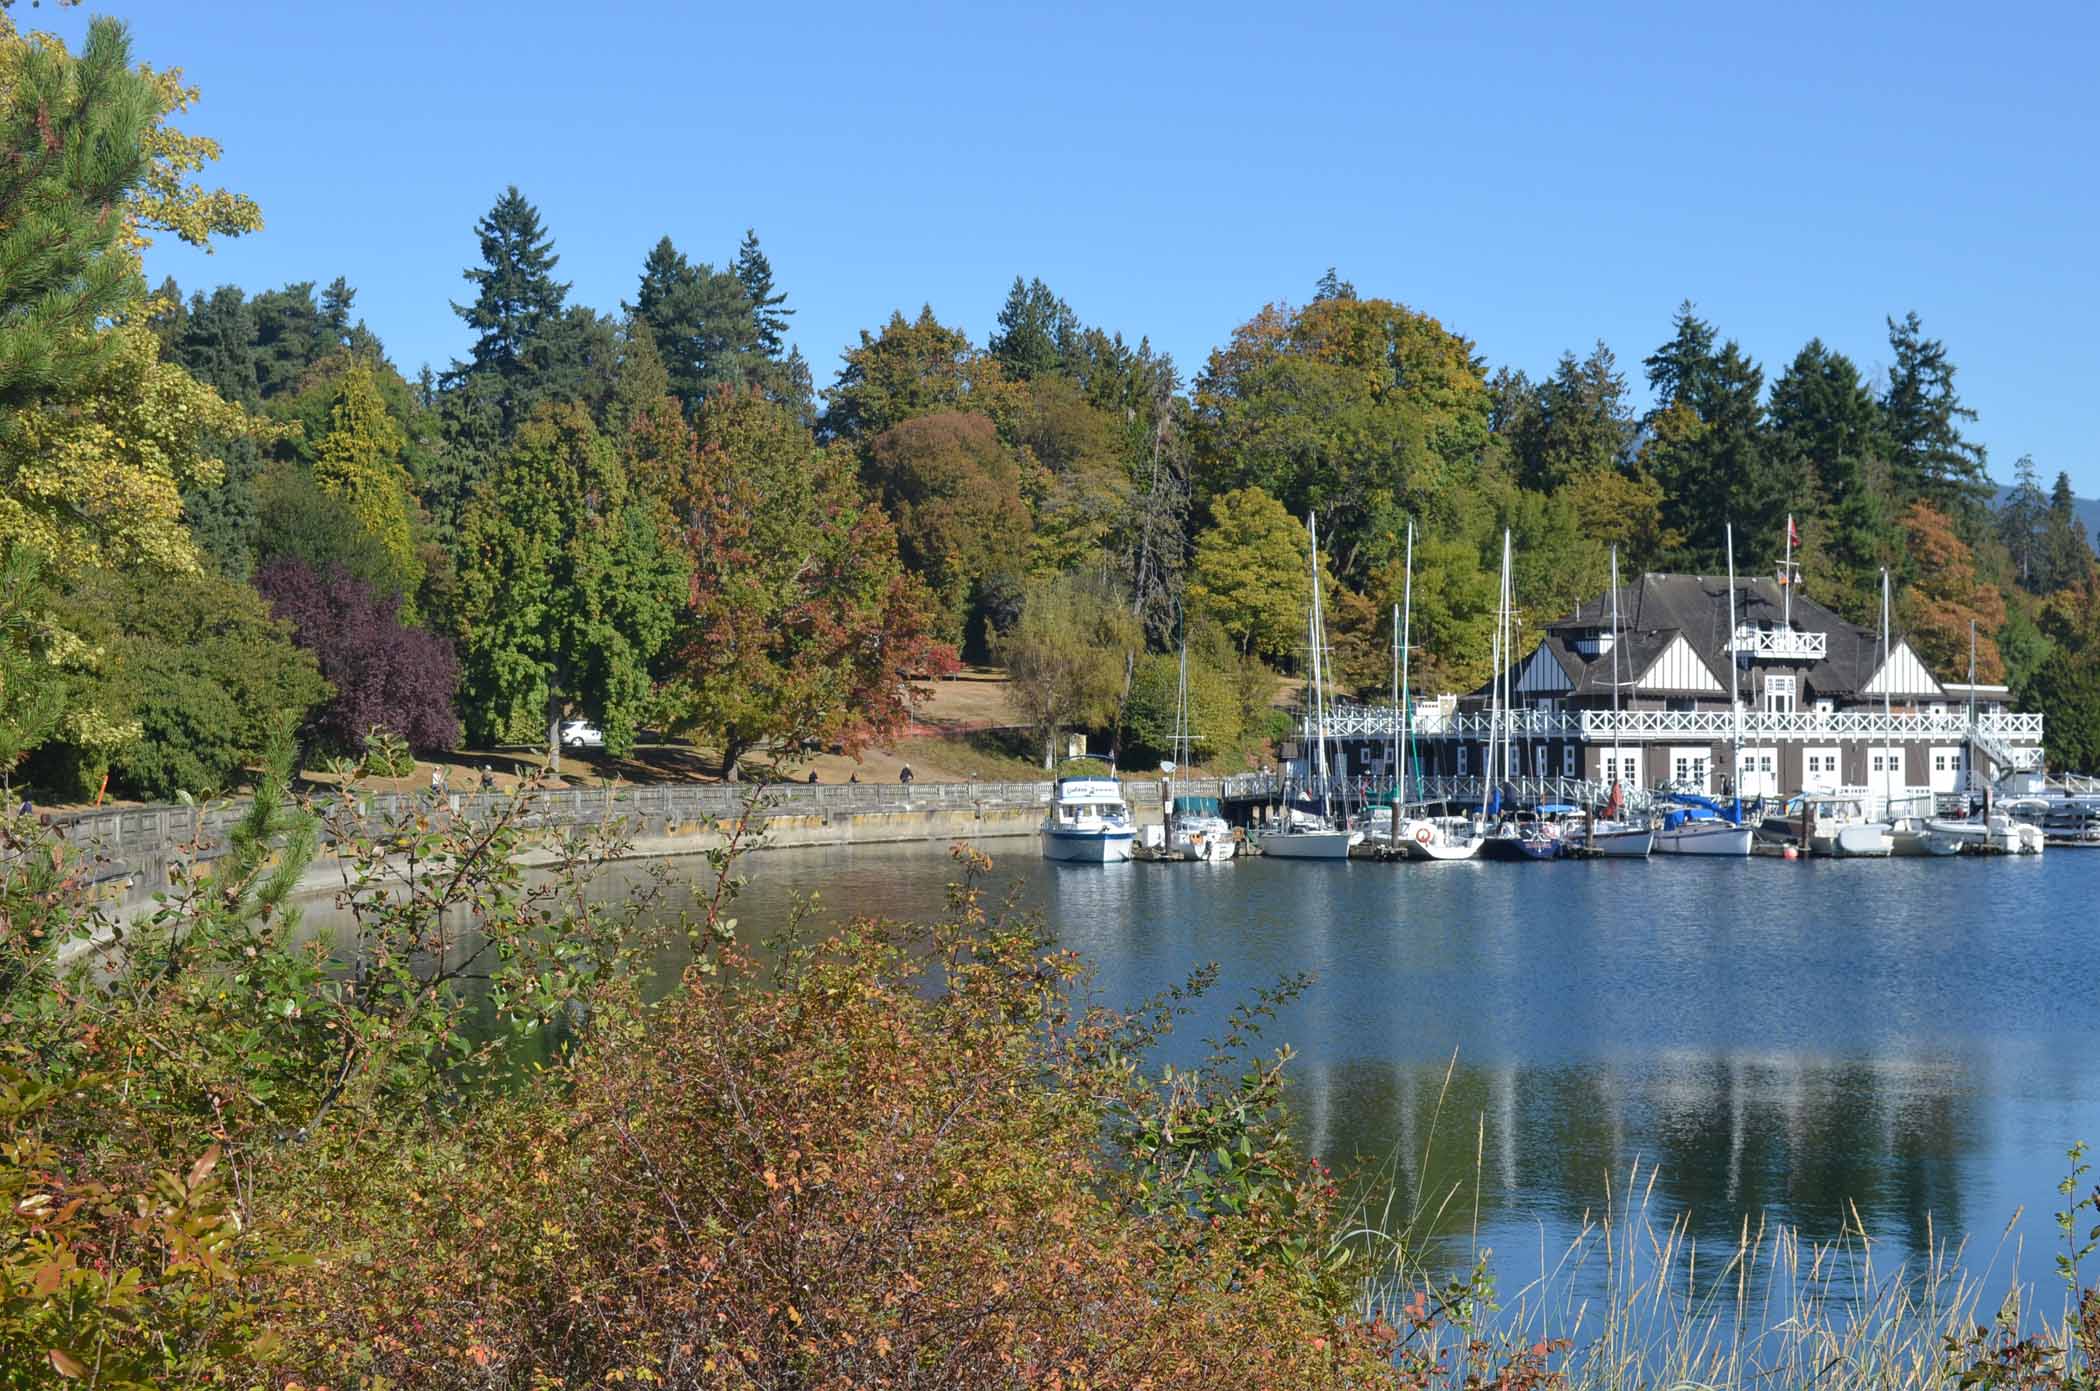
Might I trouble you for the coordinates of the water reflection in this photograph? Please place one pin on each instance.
(1780, 1040)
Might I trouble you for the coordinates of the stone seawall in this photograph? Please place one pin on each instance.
(132, 852)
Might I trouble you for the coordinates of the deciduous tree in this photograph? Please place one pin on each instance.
(1068, 657)
(955, 490)
(385, 674)
(1249, 573)
(801, 625)
(1945, 596)
(566, 589)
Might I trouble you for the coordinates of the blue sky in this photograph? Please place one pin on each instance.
(1537, 176)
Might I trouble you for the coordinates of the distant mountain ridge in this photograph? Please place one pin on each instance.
(2087, 510)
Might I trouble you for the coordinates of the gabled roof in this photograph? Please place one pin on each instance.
(1656, 610)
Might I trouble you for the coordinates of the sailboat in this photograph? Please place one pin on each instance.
(1695, 825)
(1424, 835)
(1196, 826)
(1909, 833)
(1303, 836)
(1610, 834)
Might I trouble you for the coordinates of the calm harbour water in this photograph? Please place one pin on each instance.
(1778, 1040)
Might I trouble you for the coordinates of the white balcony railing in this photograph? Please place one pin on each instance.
(1780, 644)
(1378, 721)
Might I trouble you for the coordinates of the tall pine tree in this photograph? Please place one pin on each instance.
(519, 313)
(704, 322)
(1928, 455)
(768, 319)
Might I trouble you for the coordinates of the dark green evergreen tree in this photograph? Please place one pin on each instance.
(1035, 329)
(1577, 422)
(1332, 286)
(1828, 442)
(2065, 553)
(703, 321)
(1679, 367)
(768, 319)
(2022, 521)
(290, 337)
(74, 131)
(524, 336)
(1928, 456)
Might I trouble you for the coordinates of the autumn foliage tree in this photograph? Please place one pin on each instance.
(801, 625)
(954, 488)
(1946, 596)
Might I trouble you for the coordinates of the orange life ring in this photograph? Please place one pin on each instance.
(1423, 835)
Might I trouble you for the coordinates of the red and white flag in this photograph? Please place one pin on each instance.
(1793, 537)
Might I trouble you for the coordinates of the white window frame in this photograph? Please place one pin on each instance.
(1886, 775)
(1822, 769)
(1947, 767)
(1780, 694)
(1623, 768)
(1570, 761)
(1692, 767)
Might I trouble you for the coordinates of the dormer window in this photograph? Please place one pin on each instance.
(1593, 642)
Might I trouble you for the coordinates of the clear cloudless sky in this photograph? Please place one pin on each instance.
(1536, 176)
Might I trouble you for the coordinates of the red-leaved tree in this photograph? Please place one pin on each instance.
(802, 625)
(386, 674)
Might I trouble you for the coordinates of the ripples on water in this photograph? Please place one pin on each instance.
(1778, 1040)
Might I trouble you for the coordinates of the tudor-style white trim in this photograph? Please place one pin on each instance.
(1542, 674)
(1906, 674)
(1678, 668)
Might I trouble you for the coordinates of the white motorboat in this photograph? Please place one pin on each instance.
(1089, 823)
(1197, 830)
(1911, 833)
(1838, 827)
(1995, 834)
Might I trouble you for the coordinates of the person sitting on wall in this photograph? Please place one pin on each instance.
(904, 775)
(812, 775)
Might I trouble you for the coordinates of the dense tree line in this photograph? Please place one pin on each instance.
(653, 518)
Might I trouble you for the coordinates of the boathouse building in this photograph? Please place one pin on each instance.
(1808, 714)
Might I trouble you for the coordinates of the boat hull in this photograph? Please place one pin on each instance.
(1859, 841)
(1911, 844)
(1310, 845)
(1087, 847)
(1629, 844)
(1705, 839)
(1209, 847)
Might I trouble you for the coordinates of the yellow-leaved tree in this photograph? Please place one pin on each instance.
(99, 438)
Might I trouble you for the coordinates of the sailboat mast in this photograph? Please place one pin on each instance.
(1509, 658)
(1735, 703)
(1615, 765)
(1786, 578)
(1886, 711)
(1312, 531)
(1405, 736)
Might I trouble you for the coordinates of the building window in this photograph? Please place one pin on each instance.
(1680, 705)
(1779, 695)
(1819, 769)
(1623, 768)
(1463, 751)
(1690, 767)
(1569, 760)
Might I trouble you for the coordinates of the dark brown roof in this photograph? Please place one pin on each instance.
(1654, 610)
